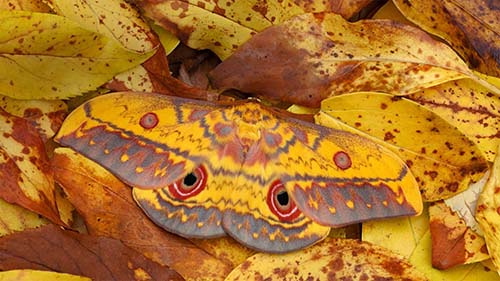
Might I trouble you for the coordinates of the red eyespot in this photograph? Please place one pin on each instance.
(280, 203)
(189, 186)
(149, 120)
(342, 160)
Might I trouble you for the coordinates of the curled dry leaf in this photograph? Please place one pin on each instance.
(470, 107)
(442, 159)
(100, 258)
(333, 259)
(488, 213)
(115, 19)
(223, 26)
(109, 210)
(411, 237)
(61, 61)
(25, 5)
(28, 275)
(27, 177)
(47, 116)
(15, 218)
(453, 242)
(470, 27)
(313, 56)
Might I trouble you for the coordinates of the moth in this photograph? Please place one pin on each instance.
(272, 182)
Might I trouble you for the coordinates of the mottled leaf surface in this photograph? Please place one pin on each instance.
(109, 210)
(61, 61)
(472, 28)
(333, 259)
(411, 237)
(25, 5)
(313, 56)
(488, 213)
(223, 26)
(15, 218)
(27, 178)
(28, 275)
(100, 258)
(468, 106)
(442, 159)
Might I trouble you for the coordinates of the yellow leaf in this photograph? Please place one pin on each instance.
(167, 38)
(30, 274)
(222, 26)
(332, 259)
(470, 27)
(25, 5)
(441, 158)
(225, 249)
(314, 56)
(470, 107)
(411, 238)
(113, 18)
(488, 215)
(390, 11)
(15, 218)
(61, 61)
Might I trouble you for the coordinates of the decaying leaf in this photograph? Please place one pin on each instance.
(223, 26)
(109, 210)
(442, 159)
(39, 275)
(453, 242)
(27, 177)
(25, 5)
(62, 60)
(115, 19)
(470, 27)
(47, 116)
(411, 237)
(488, 213)
(100, 258)
(313, 56)
(15, 218)
(332, 259)
(470, 107)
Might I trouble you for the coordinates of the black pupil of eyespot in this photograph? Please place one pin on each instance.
(282, 198)
(190, 179)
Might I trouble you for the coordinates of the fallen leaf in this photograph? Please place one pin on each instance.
(63, 59)
(167, 38)
(25, 5)
(390, 11)
(225, 249)
(15, 218)
(470, 27)
(442, 159)
(470, 107)
(46, 115)
(224, 26)
(313, 56)
(488, 215)
(28, 275)
(27, 178)
(411, 238)
(453, 242)
(109, 210)
(332, 259)
(100, 258)
(115, 19)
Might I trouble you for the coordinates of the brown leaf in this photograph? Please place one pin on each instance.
(27, 178)
(453, 243)
(109, 210)
(154, 76)
(100, 258)
(313, 56)
(470, 27)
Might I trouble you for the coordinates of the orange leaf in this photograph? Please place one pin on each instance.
(109, 210)
(27, 178)
(100, 258)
